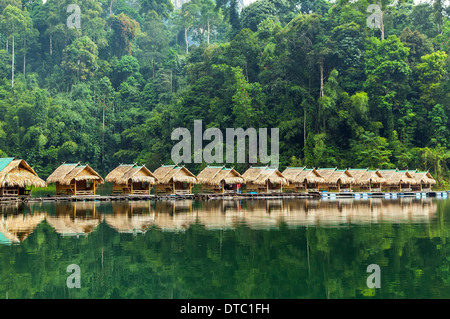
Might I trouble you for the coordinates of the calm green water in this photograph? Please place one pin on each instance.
(227, 249)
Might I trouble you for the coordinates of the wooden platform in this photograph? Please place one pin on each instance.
(317, 195)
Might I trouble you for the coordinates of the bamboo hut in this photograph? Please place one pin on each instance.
(75, 179)
(302, 179)
(367, 180)
(17, 177)
(400, 180)
(219, 179)
(291, 174)
(131, 179)
(325, 173)
(386, 174)
(424, 181)
(264, 180)
(173, 179)
(340, 180)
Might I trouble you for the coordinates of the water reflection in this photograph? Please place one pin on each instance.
(81, 218)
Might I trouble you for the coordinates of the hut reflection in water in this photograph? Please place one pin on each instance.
(81, 218)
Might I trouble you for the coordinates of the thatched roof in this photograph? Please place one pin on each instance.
(326, 172)
(311, 176)
(368, 177)
(66, 173)
(17, 172)
(291, 173)
(260, 176)
(214, 175)
(122, 174)
(424, 178)
(341, 175)
(358, 173)
(300, 174)
(401, 177)
(387, 173)
(167, 174)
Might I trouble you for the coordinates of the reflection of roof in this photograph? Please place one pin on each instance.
(129, 224)
(4, 240)
(15, 228)
(68, 226)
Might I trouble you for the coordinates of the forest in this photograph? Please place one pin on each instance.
(112, 89)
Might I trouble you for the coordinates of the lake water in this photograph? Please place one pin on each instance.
(226, 249)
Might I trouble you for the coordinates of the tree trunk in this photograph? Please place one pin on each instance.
(12, 64)
(103, 135)
(321, 78)
(304, 126)
(381, 20)
(209, 30)
(153, 68)
(24, 56)
(186, 40)
(51, 46)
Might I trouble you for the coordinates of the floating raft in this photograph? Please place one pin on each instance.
(358, 195)
(310, 195)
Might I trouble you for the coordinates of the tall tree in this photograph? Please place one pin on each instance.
(14, 21)
(125, 30)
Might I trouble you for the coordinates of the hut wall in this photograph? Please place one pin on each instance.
(295, 187)
(13, 191)
(230, 188)
(120, 189)
(207, 188)
(268, 188)
(76, 188)
(180, 188)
